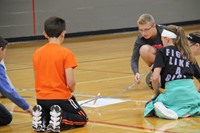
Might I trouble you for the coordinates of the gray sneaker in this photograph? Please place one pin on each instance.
(38, 124)
(148, 80)
(54, 123)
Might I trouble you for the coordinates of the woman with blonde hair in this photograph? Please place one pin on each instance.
(174, 67)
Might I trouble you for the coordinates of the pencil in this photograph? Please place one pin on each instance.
(95, 100)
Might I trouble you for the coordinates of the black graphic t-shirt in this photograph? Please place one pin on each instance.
(174, 66)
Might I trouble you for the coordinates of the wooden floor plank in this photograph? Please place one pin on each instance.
(103, 66)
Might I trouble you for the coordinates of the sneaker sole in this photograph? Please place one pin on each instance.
(39, 128)
(167, 113)
(50, 127)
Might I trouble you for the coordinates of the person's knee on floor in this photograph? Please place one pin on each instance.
(6, 119)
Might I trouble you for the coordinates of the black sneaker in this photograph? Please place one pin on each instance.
(38, 124)
(54, 123)
(148, 80)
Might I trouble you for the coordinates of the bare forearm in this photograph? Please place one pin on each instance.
(72, 87)
(155, 85)
(155, 80)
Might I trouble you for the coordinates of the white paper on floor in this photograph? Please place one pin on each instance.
(101, 102)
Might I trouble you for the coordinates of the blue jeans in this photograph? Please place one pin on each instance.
(5, 116)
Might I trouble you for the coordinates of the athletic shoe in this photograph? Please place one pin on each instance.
(148, 79)
(54, 123)
(163, 112)
(38, 124)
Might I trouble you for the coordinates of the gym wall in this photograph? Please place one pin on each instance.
(25, 18)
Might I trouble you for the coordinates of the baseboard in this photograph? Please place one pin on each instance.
(95, 33)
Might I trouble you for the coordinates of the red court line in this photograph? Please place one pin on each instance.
(115, 124)
(34, 17)
(18, 111)
(129, 126)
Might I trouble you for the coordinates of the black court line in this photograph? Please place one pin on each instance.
(105, 59)
(116, 72)
(80, 62)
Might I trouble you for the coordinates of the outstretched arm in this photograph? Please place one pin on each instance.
(134, 63)
(9, 92)
(135, 58)
(155, 80)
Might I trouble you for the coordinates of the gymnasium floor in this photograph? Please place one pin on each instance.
(103, 67)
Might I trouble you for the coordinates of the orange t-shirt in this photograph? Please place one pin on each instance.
(49, 63)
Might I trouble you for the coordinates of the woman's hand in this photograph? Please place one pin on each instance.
(30, 110)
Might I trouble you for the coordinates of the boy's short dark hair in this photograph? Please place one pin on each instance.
(54, 26)
(3, 42)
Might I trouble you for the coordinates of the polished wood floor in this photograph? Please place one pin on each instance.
(104, 66)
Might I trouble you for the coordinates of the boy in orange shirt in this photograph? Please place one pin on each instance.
(56, 109)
